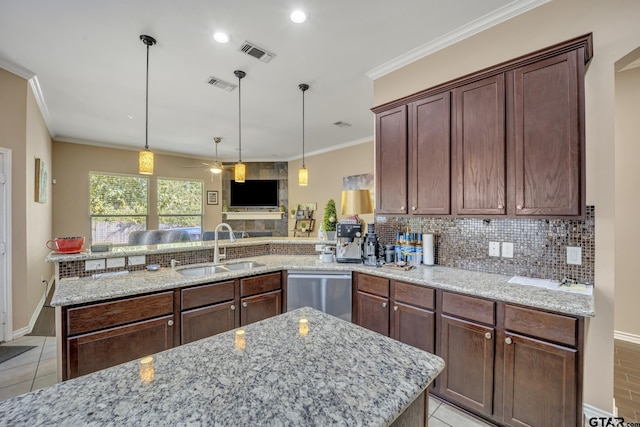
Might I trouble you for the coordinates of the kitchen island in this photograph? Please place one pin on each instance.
(338, 374)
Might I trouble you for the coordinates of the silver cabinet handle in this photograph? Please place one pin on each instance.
(500, 206)
(402, 208)
(413, 208)
(233, 307)
(488, 335)
(508, 340)
(244, 304)
(170, 323)
(384, 304)
(519, 206)
(395, 308)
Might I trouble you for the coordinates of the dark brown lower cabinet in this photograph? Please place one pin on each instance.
(207, 321)
(99, 350)
(260, 307)
(468, 351)
(414, 326)
(373, 313)
(539, 383)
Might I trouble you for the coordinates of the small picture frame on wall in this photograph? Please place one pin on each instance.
(212, 197)
(41, 181)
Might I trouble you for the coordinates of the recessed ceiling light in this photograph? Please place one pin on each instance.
(298, 16)
(220, 37)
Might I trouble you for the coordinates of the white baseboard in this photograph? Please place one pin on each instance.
(635, 339)
(590, 411)
(20, 332)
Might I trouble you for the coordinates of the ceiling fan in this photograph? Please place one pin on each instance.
(216, 167)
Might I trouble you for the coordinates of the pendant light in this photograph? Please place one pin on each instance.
(145, 159)
(216, 167)
(303, 173)
(240, 170)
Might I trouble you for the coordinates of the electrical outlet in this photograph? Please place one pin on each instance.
(494, 248)
(320, 248)
(94, 264)
(115, 262)
(137, 260)
(507, 250)
(574, 255)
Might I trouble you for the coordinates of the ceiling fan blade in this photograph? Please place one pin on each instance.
(197, 166)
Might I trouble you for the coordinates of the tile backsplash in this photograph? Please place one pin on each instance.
(539, 245)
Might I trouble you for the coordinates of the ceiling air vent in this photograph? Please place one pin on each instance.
(257, 52)
(219, 83)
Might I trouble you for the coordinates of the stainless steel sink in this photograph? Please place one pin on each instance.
(215, 269)
(243, 265)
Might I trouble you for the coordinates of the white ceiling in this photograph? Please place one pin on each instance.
(89, 65)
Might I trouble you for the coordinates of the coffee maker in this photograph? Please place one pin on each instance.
(349, 241)
(370, 247)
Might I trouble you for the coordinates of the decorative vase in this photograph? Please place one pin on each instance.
(331, 235)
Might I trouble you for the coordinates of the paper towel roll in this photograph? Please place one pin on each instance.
(427, 249)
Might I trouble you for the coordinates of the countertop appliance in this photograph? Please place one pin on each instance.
(370, 247)
(349, 244)
(327, 291)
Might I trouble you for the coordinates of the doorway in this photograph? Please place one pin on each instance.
(5, 245)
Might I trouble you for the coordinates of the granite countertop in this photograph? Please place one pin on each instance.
(339, 374)
(73, 291)
(119, 251)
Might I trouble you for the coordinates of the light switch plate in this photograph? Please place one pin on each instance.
(574, 255)
(137, 260)
(507, 250)
(494, 248)
(94, 264)
(115, 262)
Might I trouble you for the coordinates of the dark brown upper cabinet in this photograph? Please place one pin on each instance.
(507, 141)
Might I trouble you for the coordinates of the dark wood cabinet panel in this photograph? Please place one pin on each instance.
(548, 146)
(260, 307)
(260, 284)
(540, 383)
(547, 326)
(371, 284)
(430, 155)
(391, 161)
(207, 321)
(466, 307)
(468, 351)
(480, 147)
(200, 296)
(99, 350)
(414, 326)
(418, 296)
(373, 312)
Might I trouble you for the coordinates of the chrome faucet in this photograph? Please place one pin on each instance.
(216, 253)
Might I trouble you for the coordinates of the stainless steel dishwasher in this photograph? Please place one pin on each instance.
(327, 291)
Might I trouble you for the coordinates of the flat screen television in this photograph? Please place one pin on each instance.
(256, 193)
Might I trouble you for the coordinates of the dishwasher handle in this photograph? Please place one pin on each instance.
(319, 275)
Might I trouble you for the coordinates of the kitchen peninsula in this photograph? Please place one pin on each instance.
(336, 374)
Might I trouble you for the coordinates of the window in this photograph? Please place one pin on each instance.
(180, 205)
(117, 206)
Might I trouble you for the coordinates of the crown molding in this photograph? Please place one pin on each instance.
(487, 21)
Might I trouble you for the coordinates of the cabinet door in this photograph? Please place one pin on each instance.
(260, 307)
(391, 161)
(547, 138)
(99, 350)
(414, 326)
(207, 321)
(480, 147)
(430, 155)
(373, 313)
(540, 383)
(468, 352)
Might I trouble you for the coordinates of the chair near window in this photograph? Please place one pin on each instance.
(155, 237)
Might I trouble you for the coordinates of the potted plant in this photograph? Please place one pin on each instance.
(303, 225)
(330, 220)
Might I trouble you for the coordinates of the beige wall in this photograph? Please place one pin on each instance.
(615, 33)
(627, 178)
(326, 171)
(73, 162)
(22, 130)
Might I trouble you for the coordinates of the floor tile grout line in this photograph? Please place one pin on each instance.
(35, 374)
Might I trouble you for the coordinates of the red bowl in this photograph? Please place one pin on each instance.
(66, 244)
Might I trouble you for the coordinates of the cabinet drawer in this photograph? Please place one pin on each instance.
(373, 285)
(260, 284)
(213, 293)
(471, 308)
(418, 296)
(538, 324)
(113, 313)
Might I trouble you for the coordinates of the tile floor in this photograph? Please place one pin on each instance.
(36, 369)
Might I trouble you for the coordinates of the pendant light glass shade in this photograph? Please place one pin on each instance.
(145, 159)
(240, 170)
(303, 173)
(216, 167)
